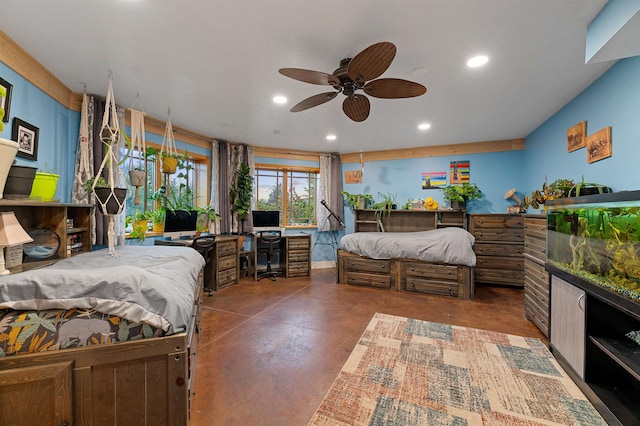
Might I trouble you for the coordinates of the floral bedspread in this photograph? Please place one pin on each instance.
(38, 331)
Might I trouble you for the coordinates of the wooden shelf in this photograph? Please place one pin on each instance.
(625, 354)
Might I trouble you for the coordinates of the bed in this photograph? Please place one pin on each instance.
(96, 339)
(434, 261)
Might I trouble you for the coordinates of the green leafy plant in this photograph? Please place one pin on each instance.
(357, 201)
(157, 216)
(139, 222)
(461, 193)
(385, 205)
(241, 193)
(3, 94)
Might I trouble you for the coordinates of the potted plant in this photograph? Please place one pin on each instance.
(206, 215)
(357, 201)
(157, 219)
(139, 223)
(385, 205)
(8, 149)
(240, 195)
(110, 202)
(458, 195)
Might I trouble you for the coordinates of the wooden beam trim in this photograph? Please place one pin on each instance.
(153, 125)
(436, 151)
(260, 151)
(27, 66)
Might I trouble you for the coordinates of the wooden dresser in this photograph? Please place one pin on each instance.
(298, 255)
(499, 248)
(536, 278)
(225, 260)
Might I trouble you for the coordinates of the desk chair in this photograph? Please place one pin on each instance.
(269, 243)
(204, 245)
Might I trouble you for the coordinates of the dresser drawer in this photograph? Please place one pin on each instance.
(226, 248)
(537, 314)
(226, 277)
(499, 276)
(499, 234)
(536, 227)
(354, 264)
(298, 269)
(497, 249)
(226, 262)
(496, 221)
(535, 248)
(298, 256)
(439, 272)
(299, 243)
(442, 288)
(372, 280)
(497, 262)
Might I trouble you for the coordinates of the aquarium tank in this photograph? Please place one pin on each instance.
(597, 239)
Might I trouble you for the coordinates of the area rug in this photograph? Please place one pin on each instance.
(409, 372)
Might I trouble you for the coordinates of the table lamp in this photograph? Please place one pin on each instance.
(11, 234)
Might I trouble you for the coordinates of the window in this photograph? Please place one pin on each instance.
(189, 183)
(290, 190)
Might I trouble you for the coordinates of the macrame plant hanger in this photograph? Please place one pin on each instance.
(168, 154)
(137, 163)
(110, 135)
(85, 168)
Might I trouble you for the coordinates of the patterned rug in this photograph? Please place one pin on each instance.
(410, 372)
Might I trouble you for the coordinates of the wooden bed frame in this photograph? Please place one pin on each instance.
(407, 274)
(147, 381)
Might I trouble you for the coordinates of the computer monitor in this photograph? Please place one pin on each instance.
(180, 223)
(265, 220)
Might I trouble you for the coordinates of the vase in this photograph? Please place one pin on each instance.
(110, 203)
(44, 186)
(169, 164)
(8, 150)
(19, 182)
(458, 205)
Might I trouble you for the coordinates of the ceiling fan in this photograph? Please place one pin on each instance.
(356, 74)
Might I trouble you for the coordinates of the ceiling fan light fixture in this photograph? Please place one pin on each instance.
(477, 61)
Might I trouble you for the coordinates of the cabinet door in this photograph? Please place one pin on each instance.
(568, 323)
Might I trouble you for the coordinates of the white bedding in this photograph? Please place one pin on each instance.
(152, 284)
(446, 245)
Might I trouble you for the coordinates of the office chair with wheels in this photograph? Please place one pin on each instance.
(204, 245)
(269, 244)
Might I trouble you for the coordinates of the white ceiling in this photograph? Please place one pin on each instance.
(215, 63)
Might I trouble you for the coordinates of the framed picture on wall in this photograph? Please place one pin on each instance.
(27, 137)
(5, 102)
(576, 136)
(599, 145)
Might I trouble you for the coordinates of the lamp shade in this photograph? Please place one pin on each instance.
(11, 232)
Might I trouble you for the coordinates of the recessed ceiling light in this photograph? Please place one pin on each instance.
(424, 126)
(280, 99)
(331, 137)
(477, 61)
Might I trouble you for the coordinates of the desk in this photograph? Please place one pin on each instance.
(296, 251)
(221, 269)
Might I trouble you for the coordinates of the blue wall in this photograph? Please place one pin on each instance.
(58, 129)
(613, 100)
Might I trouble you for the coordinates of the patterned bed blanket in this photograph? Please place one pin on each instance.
(33, 331)
(145, 284)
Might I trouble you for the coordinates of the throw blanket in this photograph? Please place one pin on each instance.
(447, 245)
(151, 284)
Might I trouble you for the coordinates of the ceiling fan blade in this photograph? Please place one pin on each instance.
(393, 88)
(356, 107)
(314, 100)
(371, 62)
(309, 76)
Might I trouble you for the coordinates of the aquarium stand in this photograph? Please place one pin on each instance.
(588, 327)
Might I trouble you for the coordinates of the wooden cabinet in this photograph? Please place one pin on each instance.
(589, 337)
(224, 262)
(536, 278)
(67, 220)
(297, 255)
(408, 220)
(499, 248)
(568, 323)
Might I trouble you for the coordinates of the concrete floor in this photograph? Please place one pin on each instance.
(269, 351)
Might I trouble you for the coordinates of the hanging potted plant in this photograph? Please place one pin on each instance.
(240, 197)
(168, 152)
(109, 202)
